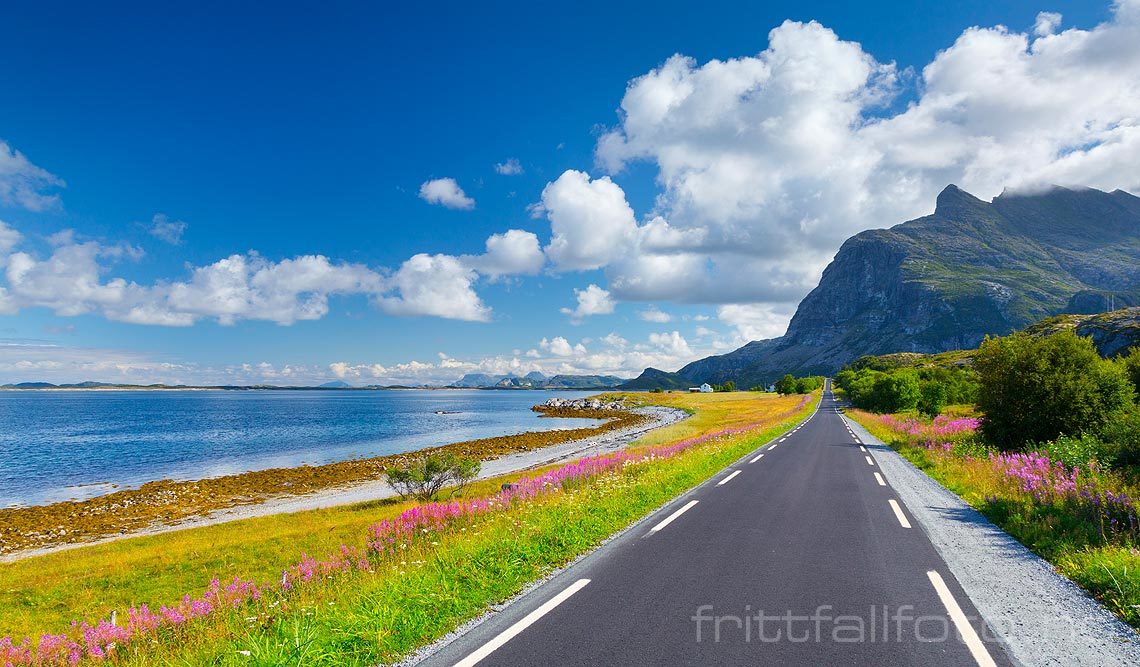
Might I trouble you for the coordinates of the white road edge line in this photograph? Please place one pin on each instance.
(862, 449)
(728, 479)
(520, 625)
(669, 519)
(869, 461)
(774, 445)
(879, 479)
(782, 439)
(756, 458)
(899, 513)
(965, 630)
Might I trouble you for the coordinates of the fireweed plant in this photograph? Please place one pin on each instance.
(1082, 518)
(142, 631)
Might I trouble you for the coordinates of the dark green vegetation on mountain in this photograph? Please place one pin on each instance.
(944, 281)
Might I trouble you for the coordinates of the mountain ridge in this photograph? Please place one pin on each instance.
(946, 280)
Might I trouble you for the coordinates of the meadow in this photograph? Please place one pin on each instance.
(389, 576)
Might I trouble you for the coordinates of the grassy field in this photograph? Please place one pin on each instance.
(1082, 522)
(377, 616)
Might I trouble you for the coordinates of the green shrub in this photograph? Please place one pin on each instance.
(1035, 389)
(1123, 431)
(790, 384)
(1079, 451)
(1130, 362)
(932, 398)
(428, 475)
(806, 385)
(895, 392)
(786, 385)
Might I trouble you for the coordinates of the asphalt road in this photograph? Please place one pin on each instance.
(801, 556)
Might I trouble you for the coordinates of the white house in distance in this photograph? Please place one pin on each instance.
(705, 388)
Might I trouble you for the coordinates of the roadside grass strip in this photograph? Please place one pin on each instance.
(414, 577)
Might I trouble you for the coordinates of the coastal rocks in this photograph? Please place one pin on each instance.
(581, 404)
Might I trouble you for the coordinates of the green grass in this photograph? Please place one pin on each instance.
(368, 617)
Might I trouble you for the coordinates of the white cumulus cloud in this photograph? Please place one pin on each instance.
(592, 300)
(438, 285)
(590, 220)
(446, 192)
(513, 252)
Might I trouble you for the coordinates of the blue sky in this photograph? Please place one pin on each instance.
(310, 131)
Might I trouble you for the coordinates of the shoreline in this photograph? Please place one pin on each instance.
(604, 438)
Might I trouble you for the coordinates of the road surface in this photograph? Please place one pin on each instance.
(798, 554)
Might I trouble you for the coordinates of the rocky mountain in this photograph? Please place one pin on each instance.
(1112, 332)
(536, 380)
(944, 281)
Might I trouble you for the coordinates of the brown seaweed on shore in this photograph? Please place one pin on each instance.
(167, 501)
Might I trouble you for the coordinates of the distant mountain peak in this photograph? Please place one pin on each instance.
(953, 198)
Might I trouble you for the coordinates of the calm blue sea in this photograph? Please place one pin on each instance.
(61, 445)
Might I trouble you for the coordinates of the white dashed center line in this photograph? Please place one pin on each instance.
(756, 458)
(728, 479)
(669, 519)
(869, 461)
(879, 479)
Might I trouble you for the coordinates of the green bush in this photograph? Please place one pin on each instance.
(1036, 389)
(428, 475)
(786, 385)
(1079, 451)
(895, 392)
(932, 398)
(1130, 362)
(927, 389)
(1123, 431)
(806, 385)
(790, 384)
